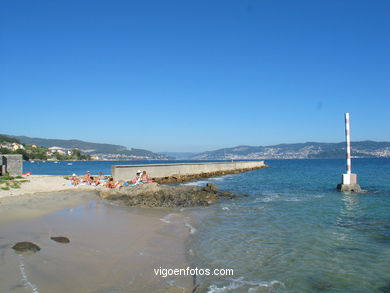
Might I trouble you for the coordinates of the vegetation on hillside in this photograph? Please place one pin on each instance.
(93, 148)
(35, 152)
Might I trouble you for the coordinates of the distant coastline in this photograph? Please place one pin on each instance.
(77, 150)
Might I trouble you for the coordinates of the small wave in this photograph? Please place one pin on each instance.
(240, 283)
(262, 285)
(167, 219)
(220, 178)
(225, 209)
(172, 283)
(25, 280)
(277, 197)
(231, 287)
(196, 183)
(269, 198)
(293, 199)
(190, 227)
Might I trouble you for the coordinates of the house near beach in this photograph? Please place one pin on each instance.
(11, 164)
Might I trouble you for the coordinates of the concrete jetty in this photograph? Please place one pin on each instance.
(191, 171)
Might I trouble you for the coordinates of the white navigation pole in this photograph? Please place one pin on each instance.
(348, 143)
(349, 180)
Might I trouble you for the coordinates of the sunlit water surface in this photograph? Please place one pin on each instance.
(295, 233)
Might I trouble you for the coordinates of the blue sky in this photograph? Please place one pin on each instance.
(195, 75)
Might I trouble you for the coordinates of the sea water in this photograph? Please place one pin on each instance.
(295, 232)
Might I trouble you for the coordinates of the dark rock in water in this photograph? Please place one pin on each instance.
(156, 195)
(319, 285)
(21, 247)
(60, 239)
(226, 194)
(385, 289)
(210, 188)
(244, 195)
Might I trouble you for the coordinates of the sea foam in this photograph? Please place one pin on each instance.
(25, 280)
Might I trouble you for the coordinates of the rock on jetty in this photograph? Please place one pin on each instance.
(156, 195)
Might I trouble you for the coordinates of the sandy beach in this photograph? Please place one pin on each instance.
(43, 183)
(112, 248)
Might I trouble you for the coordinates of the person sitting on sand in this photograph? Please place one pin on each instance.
(87, 177)
(74, 180)
(137, 178)
(144, 177)
(99, 179)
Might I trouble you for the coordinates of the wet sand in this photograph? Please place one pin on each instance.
(111, 249)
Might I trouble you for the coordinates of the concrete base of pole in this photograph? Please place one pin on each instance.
(349, 183)
(349, 179)
(349, 187)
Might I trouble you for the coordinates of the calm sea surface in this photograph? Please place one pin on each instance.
(293, 233)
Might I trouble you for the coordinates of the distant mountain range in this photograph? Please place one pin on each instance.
(92, 148)
(179, 155)
(308, 150)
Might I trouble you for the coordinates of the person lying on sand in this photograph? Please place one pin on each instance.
(110, 183)
(120, 184)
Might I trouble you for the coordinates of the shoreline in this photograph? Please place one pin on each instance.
(56, 183)
(117, 244)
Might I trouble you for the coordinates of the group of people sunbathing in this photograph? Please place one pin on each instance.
(141, 177)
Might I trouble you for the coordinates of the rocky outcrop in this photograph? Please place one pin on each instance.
(190, 177)
(156, 195)
(23, 247)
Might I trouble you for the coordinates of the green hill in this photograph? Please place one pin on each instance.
(7, 139)
(89, 147)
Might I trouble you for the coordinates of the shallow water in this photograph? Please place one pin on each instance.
(112, 248)
(295, 233)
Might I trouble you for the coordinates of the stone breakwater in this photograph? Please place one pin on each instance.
(178, 178)
(156, 195)
(191, 171)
